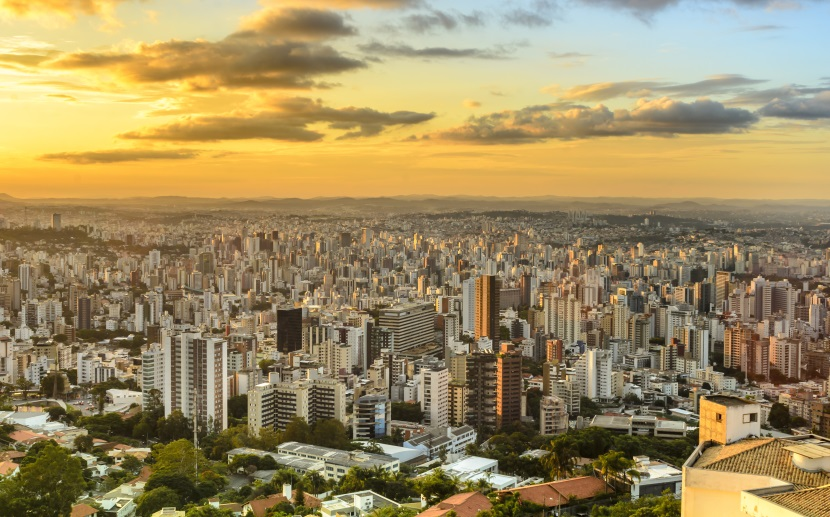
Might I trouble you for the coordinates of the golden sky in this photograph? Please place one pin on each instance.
(305, 98)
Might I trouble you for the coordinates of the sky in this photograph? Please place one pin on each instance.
(308, 98)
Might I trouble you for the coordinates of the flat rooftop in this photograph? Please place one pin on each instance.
(724, 400)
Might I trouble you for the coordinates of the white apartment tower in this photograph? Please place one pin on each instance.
(196, 377)
(435, 384)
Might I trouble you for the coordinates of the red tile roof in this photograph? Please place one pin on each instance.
(466, 504)
(83, 510)
(559, 492)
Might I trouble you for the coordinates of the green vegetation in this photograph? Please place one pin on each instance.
(408, 412)
(663, 506)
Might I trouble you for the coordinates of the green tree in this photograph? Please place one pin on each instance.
(561, 457)
(407, 412)
(436, 486)
(182, 485)
(179, 457)
(298, 430)
(132, 464)
(779, 416)
(665, 505)
(238, 406)
(208, 511)
(394, 511)
(614, 465)
(154, 500)
(46, 487)
(330, 433)
(83, 443)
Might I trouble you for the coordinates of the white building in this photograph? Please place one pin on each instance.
(593, 372)
(435, 396)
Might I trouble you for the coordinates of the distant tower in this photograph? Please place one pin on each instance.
(487, 308)
(56, 222)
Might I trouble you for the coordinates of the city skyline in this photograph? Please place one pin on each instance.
(362, 98)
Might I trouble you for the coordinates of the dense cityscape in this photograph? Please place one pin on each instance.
(244, 361)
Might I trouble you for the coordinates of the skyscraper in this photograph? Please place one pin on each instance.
(481, 390)
(487, 307)
(84, 313)
(56, 222)
(435, 396)
(468, 305)
(195, 379)
(508, 385)
(412, 324)
(289, 330)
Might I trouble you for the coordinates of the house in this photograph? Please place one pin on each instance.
(560, 493)
(467, 504)
(8, 469)
(355, 504)
(655, 478)
(83, 510)
(259, 507)
(121, 501)
(169, 512)
(475, 468)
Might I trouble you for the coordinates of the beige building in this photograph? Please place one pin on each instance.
(553, 416)
(736, 473)
(273, 404)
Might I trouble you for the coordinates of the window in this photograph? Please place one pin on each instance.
(719, 417)
(750, 417)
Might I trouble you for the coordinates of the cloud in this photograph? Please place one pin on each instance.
(781, 93)
(471, 104)
(427, 22)
(204, 65)
(281, 119)
(63, 97)
(717, 84)
(119, 156)
(69, 8)
(539, 13)
(812, 108)
(762, 28)
(568, 55)
(297, 23)
(646, 9)
(353, 4)
(402, 50)
(665, 117)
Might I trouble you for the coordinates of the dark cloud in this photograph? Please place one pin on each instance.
(539, 13)
(766, 96)
(203, 65)
(297, 23)
(430, 21)
(25, 60)
(664, 117)
(281, 119)
(119, 156)
(357, 4)
(719, 84)
(401, 50)
(811, 108)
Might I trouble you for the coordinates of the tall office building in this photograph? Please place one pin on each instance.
(84, 313)
(153, 260)
(722, 279)
(508, 385)
(435, 396)
(412, 324)
(481, 390)
(56, 222)
(468, 305)
(487, 307)
(562, 318)
(735, 340)
(289, 330)
(195, 379)
(593, 373)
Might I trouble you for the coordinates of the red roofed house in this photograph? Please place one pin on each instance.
(83, 510)
(466, 504)
(560, 493)
(8, 469)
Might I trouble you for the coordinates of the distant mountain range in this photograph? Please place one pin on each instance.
(422, 203)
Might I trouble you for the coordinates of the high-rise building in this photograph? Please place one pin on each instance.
(412, 325)
(56, 222)
(481, 390)
(84, 313)
(372, 415)
(152, 375)
(272, 405)
(508, 385)
(195, 379)
(468, 305)
(593, 373)
(457, 402)
(289, 330)
(435, 396)
(487, 307)
(553, 416)
(562, 318)
(735, 340)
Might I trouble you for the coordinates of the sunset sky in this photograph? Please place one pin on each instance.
(305, 98)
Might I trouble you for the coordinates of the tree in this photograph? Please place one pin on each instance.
(436, 486)
(238, 406)
(330, 433)
(407, 412)
(665, 505)
(154, 500)
(561, 457)
(779, 416)
(299, 496)
(83, 443)
(132, 464)
(179, 457)
(613, 465)
(297, 430)
(588, 408)
(183, 486)
(46, 487)
(208, 511)
(394, 511)
(25, 385)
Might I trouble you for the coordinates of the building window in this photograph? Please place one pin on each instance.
(718, 417)
(750, 417)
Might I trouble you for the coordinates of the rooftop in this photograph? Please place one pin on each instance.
(810, 502)
(724, 400)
